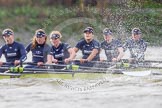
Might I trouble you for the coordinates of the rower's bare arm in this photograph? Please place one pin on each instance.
(121, 53)
(75, 49)
(72, 55)
(102, 58)
(93, 54)
(49, 59)
(1, 63)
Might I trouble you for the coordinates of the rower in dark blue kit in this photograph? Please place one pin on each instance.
(136, 45)
(61, 53)
(112, 47)
(89, 47)
(39, 48)
(13, 51)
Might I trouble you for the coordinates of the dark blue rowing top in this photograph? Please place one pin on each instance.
(14, 51)
(39, 53)
(111, 49)
(87, 48)
(61, 52)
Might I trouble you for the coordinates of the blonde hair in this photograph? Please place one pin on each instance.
(55, 32)
(7, 29)
(34, 42)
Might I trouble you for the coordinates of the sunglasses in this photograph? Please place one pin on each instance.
(136, 33)
(55, 36)
(7, 34)
(40, 34)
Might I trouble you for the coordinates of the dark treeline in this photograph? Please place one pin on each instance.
(119, 15)
(69, 2)
(57, 2)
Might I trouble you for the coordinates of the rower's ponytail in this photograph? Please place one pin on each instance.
(34, 43)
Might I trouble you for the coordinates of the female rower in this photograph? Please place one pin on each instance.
(90, 48)
(39, 48)
(112, 47)
(13, 51)
(136, 45)
(61, 53)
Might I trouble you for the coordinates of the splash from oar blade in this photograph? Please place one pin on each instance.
(137, 73)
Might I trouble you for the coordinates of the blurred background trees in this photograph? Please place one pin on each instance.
(25, 16)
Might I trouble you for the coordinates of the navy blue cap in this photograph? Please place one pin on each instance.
(55, 36)
(7, 32)
(88, 29)
(40, 34)
(136, 31)
(107, 31)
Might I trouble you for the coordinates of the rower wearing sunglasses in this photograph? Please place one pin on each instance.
(14, 52)
(39, 48)
(112, 47)
(136, 45)
(89, 47)
(61, 53)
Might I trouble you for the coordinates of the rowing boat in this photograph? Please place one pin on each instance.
(58, 73)
(83, 73)
(62, 76)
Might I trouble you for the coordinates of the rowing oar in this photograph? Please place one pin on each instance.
(22, 69)
(112, 70)
(152, 61)
(76, 67)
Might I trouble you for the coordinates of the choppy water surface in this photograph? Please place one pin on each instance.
(113, 91)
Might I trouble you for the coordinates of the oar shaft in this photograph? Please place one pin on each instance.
(34, 70)
(73, 68)
(97, 67)
(153, 61)
(75, 71)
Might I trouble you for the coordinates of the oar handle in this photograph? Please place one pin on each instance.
(16, 69)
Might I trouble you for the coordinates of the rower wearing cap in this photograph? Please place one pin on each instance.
(39, 48)
(90, 47)
(136, 45)
(60, 52)
(13, 51)
(112, 47)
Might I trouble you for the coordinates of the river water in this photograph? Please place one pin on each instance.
(110, 91)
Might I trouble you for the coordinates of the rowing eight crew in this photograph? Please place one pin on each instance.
(62, 53)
